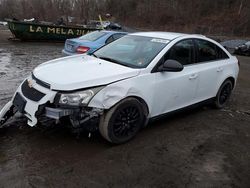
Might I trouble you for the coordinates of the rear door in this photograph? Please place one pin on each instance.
(211, 61)
(174, 90)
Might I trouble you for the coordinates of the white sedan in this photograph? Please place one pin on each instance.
(118, 88)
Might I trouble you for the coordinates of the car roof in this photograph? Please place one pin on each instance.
(164, 35)
(112, 32)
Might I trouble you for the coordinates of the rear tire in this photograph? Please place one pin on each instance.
(223, 94)
(123, 121)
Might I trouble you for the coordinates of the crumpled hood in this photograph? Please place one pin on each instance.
(81, 71)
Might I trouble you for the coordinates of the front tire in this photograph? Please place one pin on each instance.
(123, 121)
(223, 94)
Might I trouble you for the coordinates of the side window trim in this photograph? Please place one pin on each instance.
(155, 68)
(209, 61)
(117, 34)
(194, 59)
(106, 42)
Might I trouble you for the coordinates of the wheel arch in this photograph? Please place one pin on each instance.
(232, 79)
(217, 100)
(105, 127)
(141, 100)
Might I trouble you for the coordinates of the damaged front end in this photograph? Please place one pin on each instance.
(35, 98)
(6, 113)
(80, 118)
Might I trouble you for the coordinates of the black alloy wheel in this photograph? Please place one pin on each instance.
(223, 94)
(123, 121)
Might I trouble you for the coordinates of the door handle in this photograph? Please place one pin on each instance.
(193, 76)
(220, 69)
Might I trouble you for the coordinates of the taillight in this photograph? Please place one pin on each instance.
(82, 49)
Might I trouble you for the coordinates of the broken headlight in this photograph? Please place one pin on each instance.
(80, 98)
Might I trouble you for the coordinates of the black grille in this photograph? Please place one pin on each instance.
(41, 83)
(31, 93)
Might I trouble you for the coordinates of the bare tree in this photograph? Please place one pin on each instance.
(220, 16)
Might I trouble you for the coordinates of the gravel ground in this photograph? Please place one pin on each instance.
(202, 147)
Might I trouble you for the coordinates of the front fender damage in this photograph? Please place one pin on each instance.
(110, 96)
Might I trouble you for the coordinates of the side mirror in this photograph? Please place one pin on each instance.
(171, 66)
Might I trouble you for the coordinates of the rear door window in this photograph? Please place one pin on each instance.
(114, 37)
(109, 40)
(118, 35)
(93, 36)
(208, 51)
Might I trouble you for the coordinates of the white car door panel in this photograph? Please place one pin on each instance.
(207, 80)
(211, 74)
(174, 90)
(213, 62)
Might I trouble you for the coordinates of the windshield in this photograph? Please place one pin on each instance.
(132, 51)
(93, 36)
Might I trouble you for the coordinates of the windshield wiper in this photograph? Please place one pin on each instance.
(117, 62)
(94, 55)
(112, 60)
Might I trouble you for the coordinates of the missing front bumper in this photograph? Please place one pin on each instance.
(84, 118)
(57, 113)
(6, 113)
(28, 105)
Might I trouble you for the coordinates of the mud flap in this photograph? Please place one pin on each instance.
(6, 113)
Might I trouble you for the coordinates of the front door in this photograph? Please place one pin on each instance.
(175, 90)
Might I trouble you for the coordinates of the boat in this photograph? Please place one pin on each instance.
(46, 31)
